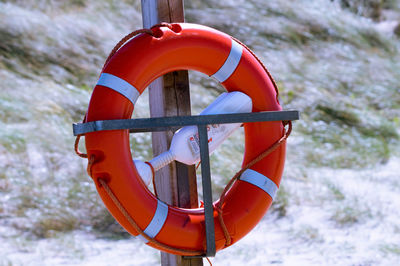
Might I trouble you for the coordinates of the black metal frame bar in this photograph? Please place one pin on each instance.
(207, 192)
(176, 122)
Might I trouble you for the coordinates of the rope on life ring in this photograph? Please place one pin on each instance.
(138, 59)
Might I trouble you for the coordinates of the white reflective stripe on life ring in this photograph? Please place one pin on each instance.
(261, 181)
(119, 85)
(231, 62)
(158, 221)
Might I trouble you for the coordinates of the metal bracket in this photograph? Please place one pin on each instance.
(176, 122)
(207, 192)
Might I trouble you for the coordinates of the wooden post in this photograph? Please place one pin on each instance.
(169, 96)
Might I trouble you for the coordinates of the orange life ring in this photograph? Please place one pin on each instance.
(130, 70)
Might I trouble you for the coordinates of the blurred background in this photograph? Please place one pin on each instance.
(337, 61)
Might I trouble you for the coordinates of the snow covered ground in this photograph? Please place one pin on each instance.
(313, 232)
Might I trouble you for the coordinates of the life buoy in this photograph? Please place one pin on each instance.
(130, 70)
